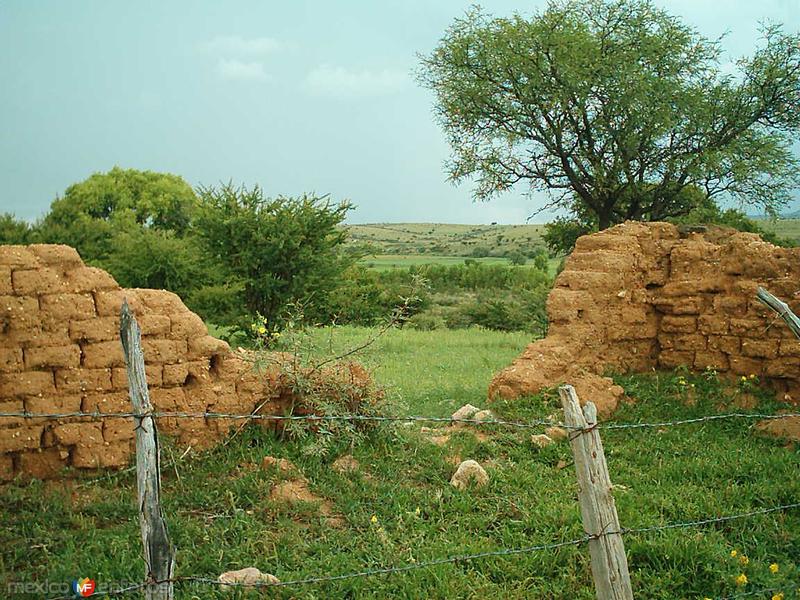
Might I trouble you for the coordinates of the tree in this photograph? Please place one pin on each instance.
(615, 108)
(13, 231)
(91, 212)
(279, 251)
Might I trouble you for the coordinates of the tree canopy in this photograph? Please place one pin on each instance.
(615, 109)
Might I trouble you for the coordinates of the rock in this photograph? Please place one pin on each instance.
(466, 412)
(541, 440)
(345, 464)
(247, 577)
(484, 415)
(468, 472)
(556, 433)
(283, 465)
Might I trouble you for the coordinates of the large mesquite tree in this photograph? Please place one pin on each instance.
(617, 109)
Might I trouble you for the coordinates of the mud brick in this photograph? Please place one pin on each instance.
(27, 383)
(587, 280)
(56, 254)
(6, 467)
(20, 438)
(109, 303)
(115, 430)
(567, 305)
(712, 360)
(82, 380)
(177, 374)
(69, 434)
(752, 326)
(68, 307)
(162, 302)
(88, 279)
(205, 346)
(692, 287)
(43, 463)
(102, 455)
(713, 324)
(19, 309)
(105, 403)
(10, 360)
(678, 324)
(729, 305)
(158, 351)
(670, 359)
(783, 369)
(680, 342)
(53, 356)
(603, 261)
(51, 404)
(187, 325)
(728, 344)
(151, 324)
(692, 305)
(103, 355)
(742, 365)
(11, 406)
(119, 377)
(759, 348)
(101, 329)
(6, 289)
(37, 281)
(169, 399)
(789, 347)
(19, 257)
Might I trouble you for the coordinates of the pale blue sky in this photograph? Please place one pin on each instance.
(296, 96)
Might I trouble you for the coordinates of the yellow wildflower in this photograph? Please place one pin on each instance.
(773, 568)
(373, 519)
(744, 560)
(744, 378)
(262, 330)
(752, 375)
(741, 579)
(734, 553)
(778, 596)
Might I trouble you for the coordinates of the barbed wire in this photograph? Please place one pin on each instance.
(460, 558)
(532, 424)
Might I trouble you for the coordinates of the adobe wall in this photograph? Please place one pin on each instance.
(60, 351)
(643, 295)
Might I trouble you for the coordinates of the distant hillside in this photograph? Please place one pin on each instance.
(447, 239)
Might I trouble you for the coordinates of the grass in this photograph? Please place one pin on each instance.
(221, 517)
(386, 262)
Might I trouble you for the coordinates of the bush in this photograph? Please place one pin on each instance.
(517, 258)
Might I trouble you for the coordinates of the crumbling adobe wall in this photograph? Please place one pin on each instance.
(643, 295)
(60, 352)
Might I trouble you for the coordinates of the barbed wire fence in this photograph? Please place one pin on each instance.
(602, 531)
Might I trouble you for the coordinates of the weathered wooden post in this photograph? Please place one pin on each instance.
(598, 511)
(780, 307)
(159, 555)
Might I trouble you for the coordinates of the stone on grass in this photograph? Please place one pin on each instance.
(541, 440)
(465, 412)
(468, 472)
(484, 415)
(283, 465)
(556, 433)
(247, 577)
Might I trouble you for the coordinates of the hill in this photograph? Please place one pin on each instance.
(448, 239)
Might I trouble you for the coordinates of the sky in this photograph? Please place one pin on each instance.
(302, 96)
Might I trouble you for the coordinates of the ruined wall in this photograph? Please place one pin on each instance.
(643, 295)
(60, 352)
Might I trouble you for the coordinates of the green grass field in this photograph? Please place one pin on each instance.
(385, 262)
(399, 509)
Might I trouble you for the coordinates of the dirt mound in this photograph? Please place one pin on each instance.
(644, 295)
(60, 352)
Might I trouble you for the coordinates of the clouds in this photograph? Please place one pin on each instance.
(232, 69)
(343, 82)
(241, 59)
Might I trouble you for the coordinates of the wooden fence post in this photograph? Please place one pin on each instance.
(159, 554)
(780, 307)
(609, 564)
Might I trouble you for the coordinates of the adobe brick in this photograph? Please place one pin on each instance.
(56, 255)
(27, 383)
(760, 348)
(186, 325)
(119, 376)
(103, 355)
(678, 324)
(82, 380)
(18, 257)
(729, 344)
(68, 307)
(11, 360)
(42, 463)
(37, 281)
(53, 356)
(157, 325)
(70, 434)
(6, 289)
(711, 360)
(88, 279)
(20, 438)
(159, 351)
(109, 303)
